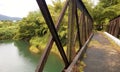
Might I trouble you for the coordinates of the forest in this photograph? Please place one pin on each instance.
(34, 30)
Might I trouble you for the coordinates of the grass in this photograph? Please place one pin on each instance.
(81, 66)
(38, 44)
(94, 43)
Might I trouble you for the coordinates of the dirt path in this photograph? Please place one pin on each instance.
(102, 55)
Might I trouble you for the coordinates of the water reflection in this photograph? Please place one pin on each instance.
(23, 48)
(16, 57)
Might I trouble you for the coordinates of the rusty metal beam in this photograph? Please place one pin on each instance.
(79, 55)
(82, 7)
(46, 14)
(46, 52)
(71, 30)
(53, 30)
(78, 29)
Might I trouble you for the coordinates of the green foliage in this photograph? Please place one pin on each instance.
(34, 29)
(63, 34)
(55, 11)
(4, 24)
(7, 30)
(108, 3)
(89, 6)
(39, 42)
(31, 26)
(6, 33)
(106, 10)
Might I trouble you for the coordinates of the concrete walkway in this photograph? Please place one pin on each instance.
(102, 55)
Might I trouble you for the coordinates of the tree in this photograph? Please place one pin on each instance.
(106, 10)
(89, 6)
(55, 11)
(31, 26)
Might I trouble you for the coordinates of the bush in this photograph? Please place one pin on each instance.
(6, 33)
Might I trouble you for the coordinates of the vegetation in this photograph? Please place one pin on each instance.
(106, 10)
(103, 12)
(7, 29)
(34, 30)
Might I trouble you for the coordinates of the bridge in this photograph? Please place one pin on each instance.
(102, 55)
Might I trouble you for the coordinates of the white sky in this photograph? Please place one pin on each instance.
(95, 2)
(19, 8)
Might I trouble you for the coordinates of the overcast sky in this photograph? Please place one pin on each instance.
(19, 8)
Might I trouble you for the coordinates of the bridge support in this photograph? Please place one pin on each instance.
(114, 27)
(71, 30)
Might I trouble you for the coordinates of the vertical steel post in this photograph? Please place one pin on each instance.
(71, 33)
(78, 28)
(83, 28)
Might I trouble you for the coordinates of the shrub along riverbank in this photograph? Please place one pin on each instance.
(33, 29)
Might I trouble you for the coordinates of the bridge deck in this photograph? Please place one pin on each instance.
(102, 55)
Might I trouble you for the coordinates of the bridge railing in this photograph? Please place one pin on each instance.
(114, 27)
(79, 31)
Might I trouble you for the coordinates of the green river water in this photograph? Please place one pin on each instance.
(16, 57)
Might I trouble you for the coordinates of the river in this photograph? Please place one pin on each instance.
(16, 57)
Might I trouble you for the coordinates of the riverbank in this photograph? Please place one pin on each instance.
(17, 54)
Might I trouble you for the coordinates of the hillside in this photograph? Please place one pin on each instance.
(4, 17)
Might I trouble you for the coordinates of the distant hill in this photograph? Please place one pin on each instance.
(4, 17)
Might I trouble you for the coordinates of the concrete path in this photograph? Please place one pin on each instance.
(102, 55)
